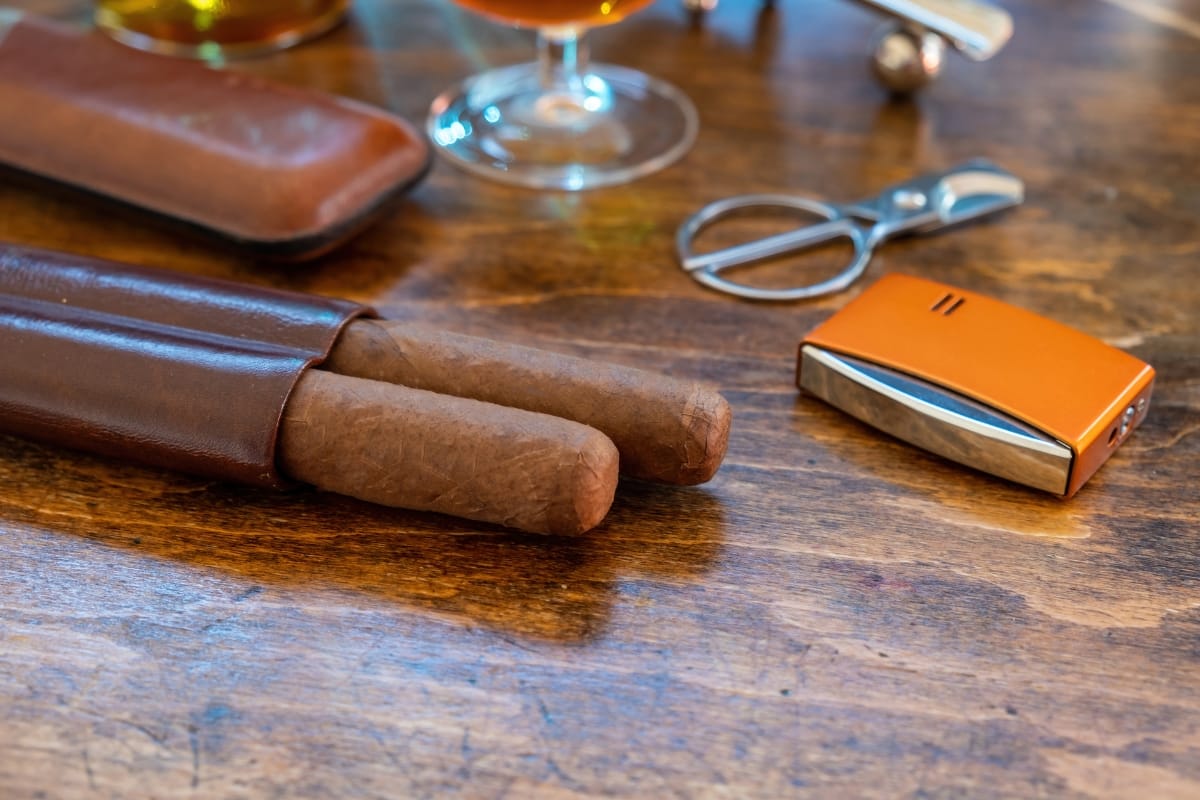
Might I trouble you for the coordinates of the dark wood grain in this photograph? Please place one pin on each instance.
(836, 614)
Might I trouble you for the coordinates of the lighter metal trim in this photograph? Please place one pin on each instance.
(933, 418)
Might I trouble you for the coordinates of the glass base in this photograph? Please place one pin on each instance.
(226, 39)
(615, 125)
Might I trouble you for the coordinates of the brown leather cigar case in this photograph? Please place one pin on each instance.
(288, 172)
(163, 368)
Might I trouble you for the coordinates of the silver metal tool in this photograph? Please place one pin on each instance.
(977, 30)
(908, 52)
(922, 205)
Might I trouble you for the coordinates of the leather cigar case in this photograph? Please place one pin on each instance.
(162, 368)
(289, 172)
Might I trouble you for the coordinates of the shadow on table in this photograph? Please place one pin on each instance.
(370, 259)
(546, 588)
(973, 497)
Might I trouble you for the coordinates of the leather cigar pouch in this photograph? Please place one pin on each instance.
(163, 368)
(288, 172)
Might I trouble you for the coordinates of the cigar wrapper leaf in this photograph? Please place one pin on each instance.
(414, 449)
(666, 430)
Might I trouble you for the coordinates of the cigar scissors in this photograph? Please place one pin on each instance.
(921, 205)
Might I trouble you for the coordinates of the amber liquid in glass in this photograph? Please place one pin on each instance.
(537, 13)
(227, 23)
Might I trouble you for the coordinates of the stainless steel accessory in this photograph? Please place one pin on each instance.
(924, 204)
(908, 52)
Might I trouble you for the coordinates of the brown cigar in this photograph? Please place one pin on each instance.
(665, 429)
(409, 448)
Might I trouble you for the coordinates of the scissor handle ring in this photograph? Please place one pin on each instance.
(838, 225)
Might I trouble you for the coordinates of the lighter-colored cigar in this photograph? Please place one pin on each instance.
(409, 448)
(665, 429)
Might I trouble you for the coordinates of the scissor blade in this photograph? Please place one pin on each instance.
(935, 200)
(972, 193)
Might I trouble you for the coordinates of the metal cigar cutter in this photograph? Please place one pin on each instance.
(977, 381)
(923, 204)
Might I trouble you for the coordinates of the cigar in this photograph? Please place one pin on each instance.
(409, 448)
(665, 429)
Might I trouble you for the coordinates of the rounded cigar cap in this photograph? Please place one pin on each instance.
(590, 484)
(706, 418)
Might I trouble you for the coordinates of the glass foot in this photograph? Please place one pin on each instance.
(609, 126)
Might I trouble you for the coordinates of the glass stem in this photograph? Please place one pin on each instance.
(562, 58)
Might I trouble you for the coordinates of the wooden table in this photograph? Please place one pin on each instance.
(836, 614)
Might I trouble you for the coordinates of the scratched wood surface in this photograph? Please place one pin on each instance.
(836, 614)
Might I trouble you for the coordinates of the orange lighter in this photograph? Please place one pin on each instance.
(978, 381)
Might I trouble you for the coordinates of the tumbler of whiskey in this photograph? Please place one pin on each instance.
(217, 29)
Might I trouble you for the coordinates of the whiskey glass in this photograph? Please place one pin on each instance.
(561, 122)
